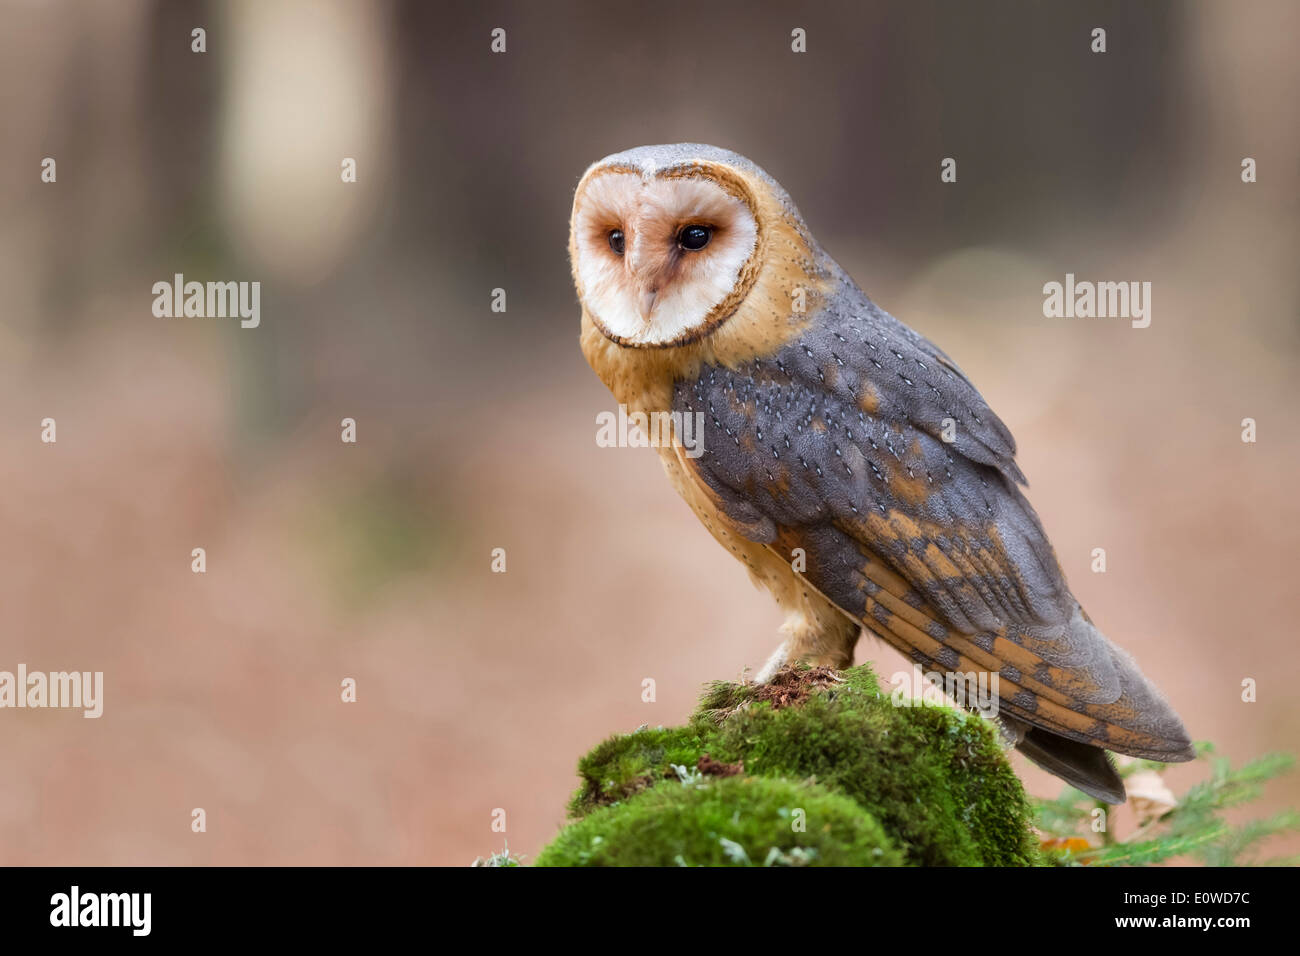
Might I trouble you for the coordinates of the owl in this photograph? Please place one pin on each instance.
(846, 461)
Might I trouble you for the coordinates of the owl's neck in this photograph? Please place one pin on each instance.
(642, 379)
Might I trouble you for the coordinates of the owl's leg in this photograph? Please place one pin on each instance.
(818, 633)
(774, 663)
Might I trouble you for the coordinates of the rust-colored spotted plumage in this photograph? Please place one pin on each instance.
(850, 464)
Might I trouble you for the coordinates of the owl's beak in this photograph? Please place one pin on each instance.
(646, 303)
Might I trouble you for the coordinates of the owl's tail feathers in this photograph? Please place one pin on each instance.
(1083, 766)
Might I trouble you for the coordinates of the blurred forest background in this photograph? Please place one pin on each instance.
(476, 430)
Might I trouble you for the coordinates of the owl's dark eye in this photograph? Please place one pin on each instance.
(694, 238)
(616, 240)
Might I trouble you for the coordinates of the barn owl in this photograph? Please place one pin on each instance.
(847, 461)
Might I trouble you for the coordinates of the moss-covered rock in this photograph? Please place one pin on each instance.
(935, 779)
(726, 821)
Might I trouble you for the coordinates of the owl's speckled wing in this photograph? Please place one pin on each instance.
(836, 445)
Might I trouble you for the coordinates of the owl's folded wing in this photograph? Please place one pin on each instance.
(929, 542)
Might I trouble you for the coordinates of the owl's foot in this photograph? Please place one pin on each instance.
(816, 635)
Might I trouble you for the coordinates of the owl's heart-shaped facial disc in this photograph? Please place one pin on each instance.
(659, 257)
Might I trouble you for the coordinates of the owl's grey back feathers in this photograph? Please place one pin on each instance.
(836, 444)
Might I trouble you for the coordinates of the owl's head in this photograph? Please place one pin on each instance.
(668, 242)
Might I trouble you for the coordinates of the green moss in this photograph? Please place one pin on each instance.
(935, 779)
(862, 680)
(726, 821)
(623, 766)
(719, 699)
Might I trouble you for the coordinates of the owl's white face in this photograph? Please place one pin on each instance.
(657, 259)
